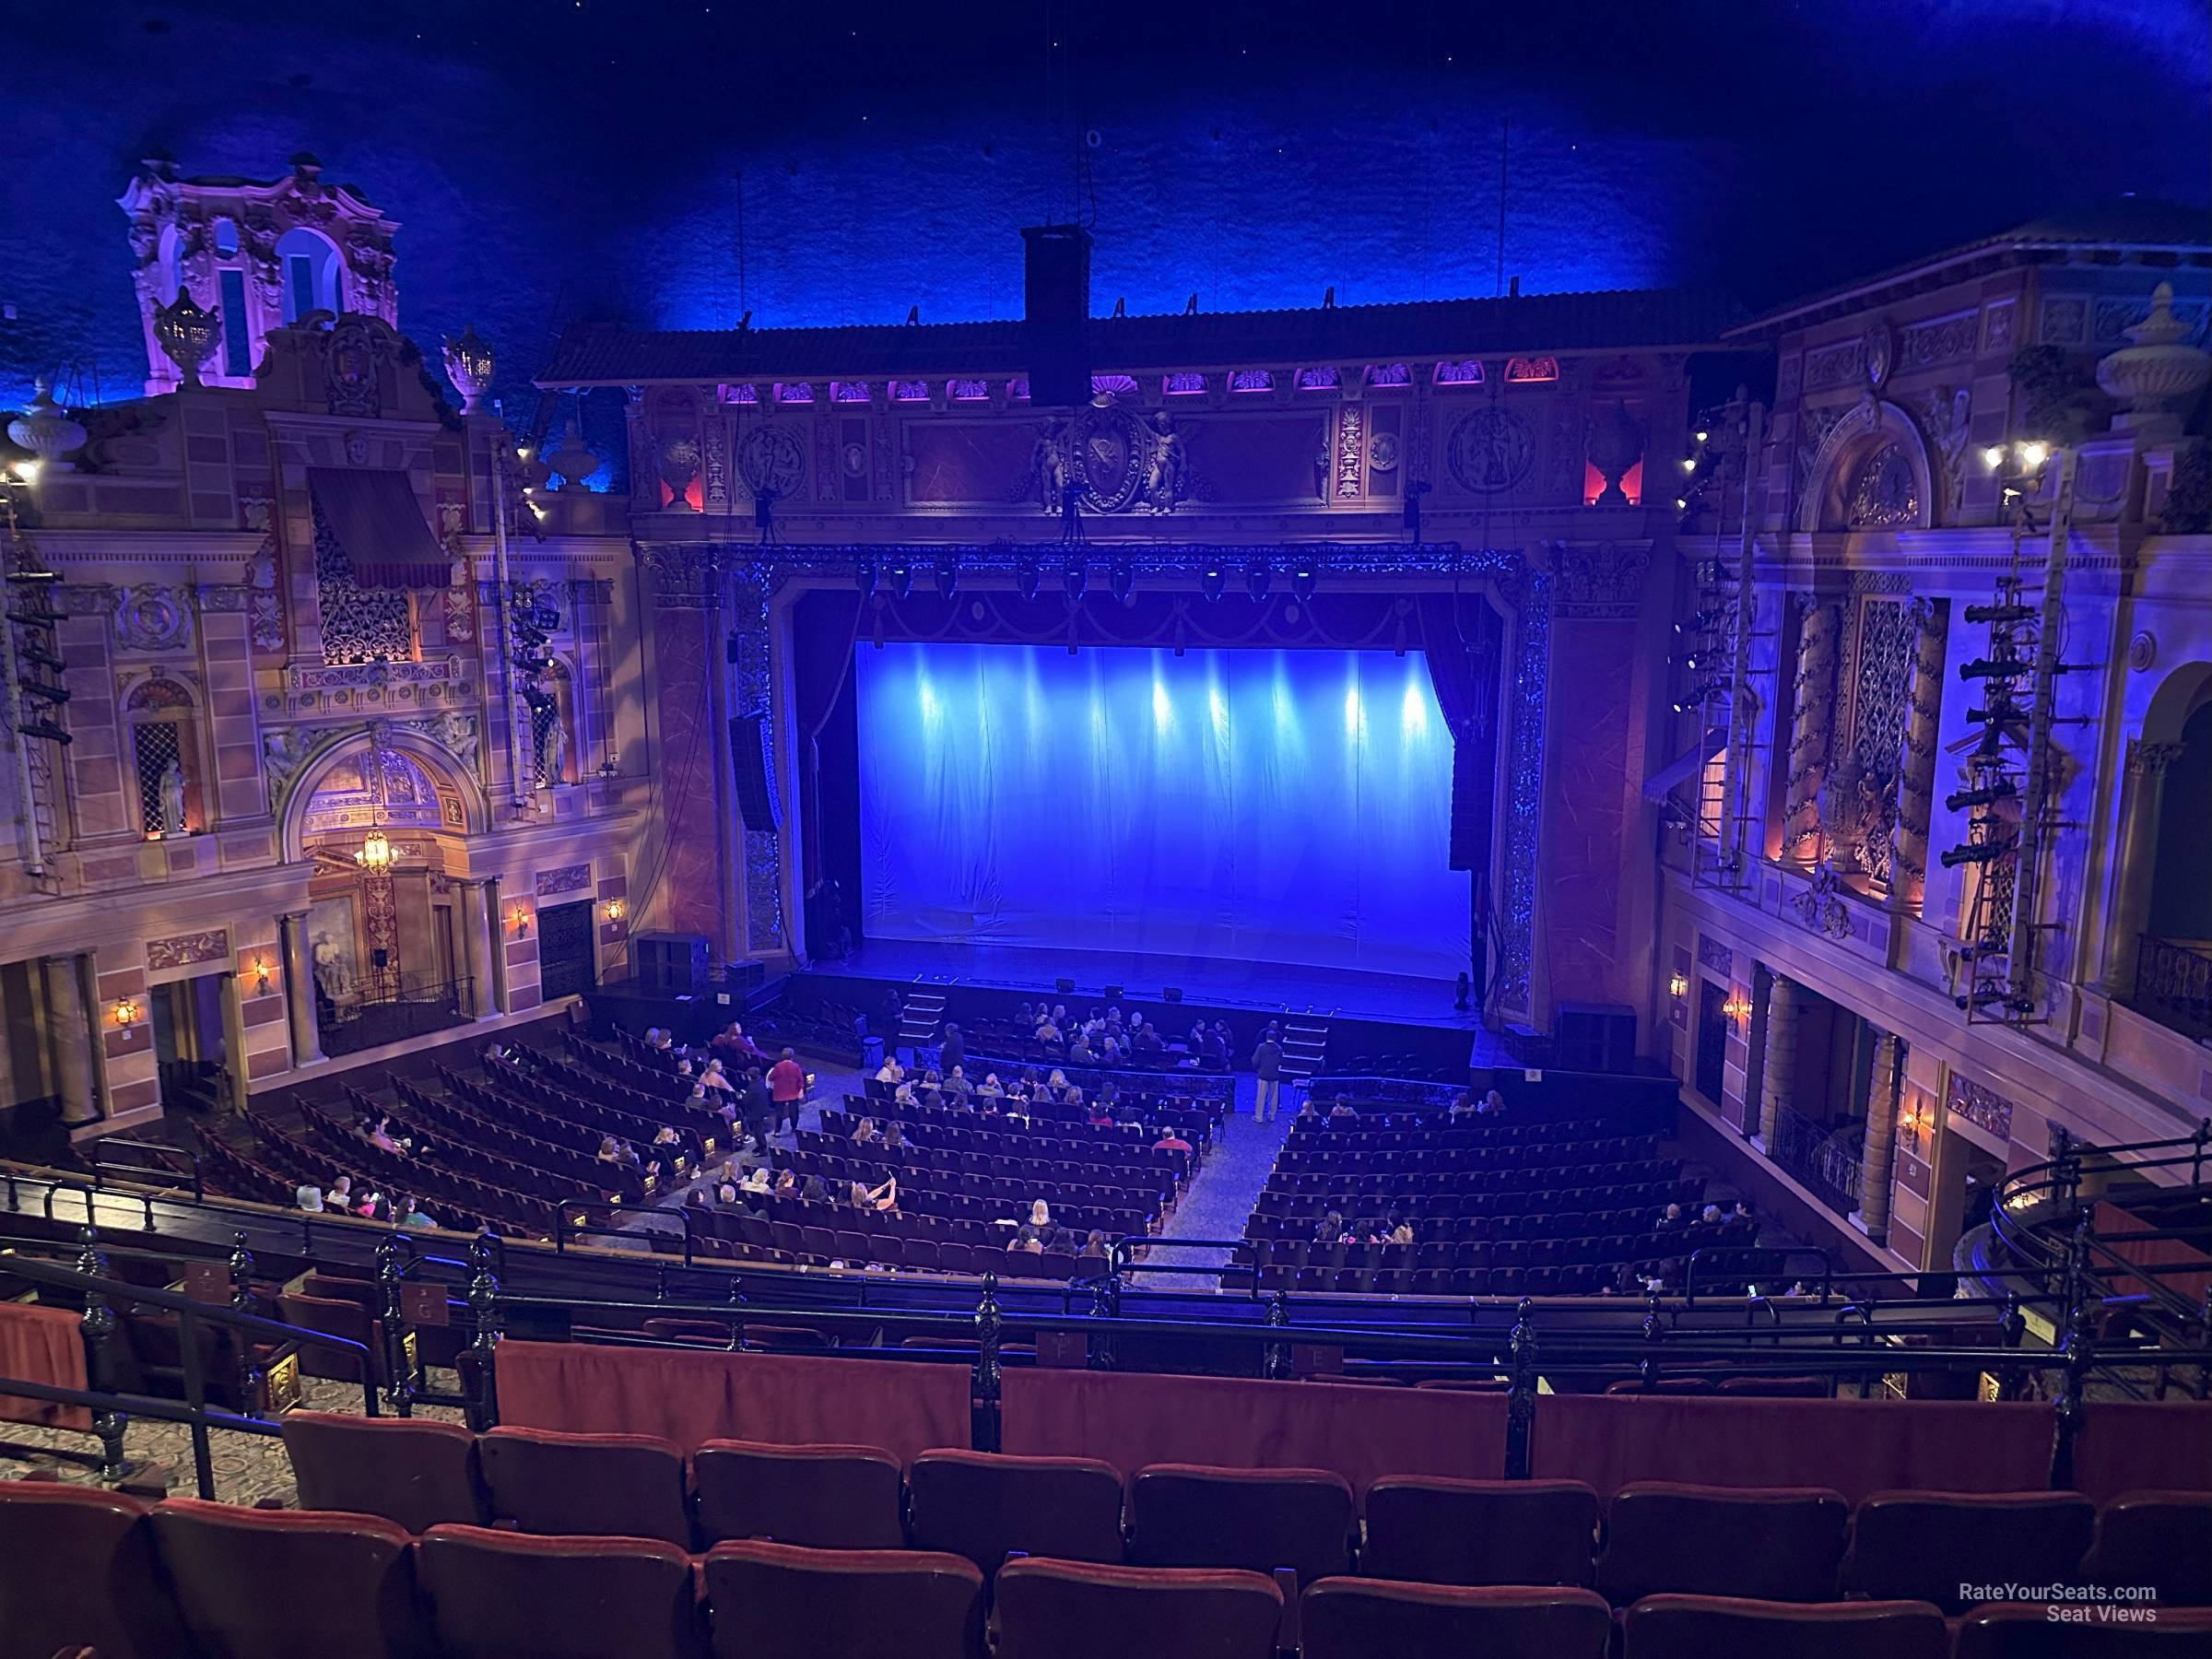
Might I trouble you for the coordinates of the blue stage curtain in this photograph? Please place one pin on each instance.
(1460, 634)
(1288, 805)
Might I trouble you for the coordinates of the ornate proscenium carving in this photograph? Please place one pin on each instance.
(1600, 582)
(1118, 460)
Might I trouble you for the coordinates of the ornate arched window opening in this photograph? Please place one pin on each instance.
(1883, 492)
(165, 758)
(307, 271)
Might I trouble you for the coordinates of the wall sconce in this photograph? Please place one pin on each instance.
(614, 909)
(127, 1013)
(1738, 1007)
(519, 919)
(261, 975)
(1678, 986)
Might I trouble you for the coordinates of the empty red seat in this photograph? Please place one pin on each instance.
(1049, 1609)
(625, 1485)
(1912, 1546)
(1192, 1515)
(1354, 1617)
(505, 1596)
(1481, 1532)
(271, 1584)
(2120, 1630)
(824, 1497)
(982, 1505)
(1705, 1626)
(410, 1470)
(1768, 1543)
(779, 1601)
(2162, 1539)
(76, 1569)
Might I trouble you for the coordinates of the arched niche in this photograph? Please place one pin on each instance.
(424, 787)
(1870, 473)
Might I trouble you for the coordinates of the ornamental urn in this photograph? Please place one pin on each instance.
(45, 430)
(1615, 445)
(186, 334)
(572, 458)
(2157, 377)
(679, 466)
(469, 364)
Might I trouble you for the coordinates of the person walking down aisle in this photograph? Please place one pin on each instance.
(1268, 1067)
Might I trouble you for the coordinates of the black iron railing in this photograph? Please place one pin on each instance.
(2174, 984)
(1825, 1160)
(395, 1017)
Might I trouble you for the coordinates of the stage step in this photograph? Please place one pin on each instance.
(918, 1018)
(1305, 1047)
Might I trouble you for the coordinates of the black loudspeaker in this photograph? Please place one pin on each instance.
(749, 759)
(1171, 993)
(671, 962)
(1599, 1037)
(1056, 313)
(1114, 993)
(1065, 987)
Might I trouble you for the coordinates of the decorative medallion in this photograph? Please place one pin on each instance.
(357, 449)
(771, 461)
(1382, 452)
(1109, 453)
(150, 617)
(1878, 352)
(1490, 449)
(2142, 652)
(856, 460)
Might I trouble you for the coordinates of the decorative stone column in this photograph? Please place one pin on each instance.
(477, 946)
(71, 1033)
(1880, 1155)
(1917, 759)
(299, 990)
(1778, 1072)
(2134, 861)
(495, 935)
(1812, 724)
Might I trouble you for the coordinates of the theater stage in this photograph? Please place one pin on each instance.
(1268, 987)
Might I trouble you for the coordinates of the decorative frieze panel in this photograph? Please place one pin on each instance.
(1716, 955)
(1602, 583)
(1941, 340)
(183, 950)
(1983, 1107)
(569, 878)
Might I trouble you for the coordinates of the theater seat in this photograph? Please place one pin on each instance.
(2025, 1630)
(625, 1485)
(1709, 1626)
(274, 1583)
(1481, 1532)
(1770, 1542)
(777, 1601)
(503, 1595)
(1049, 1609)
(1192, 1515)
(1357, 1617)
(76, 1569)
(2162, 1539)
(981, 1504)
(1924, 1546)
(410, 1470)
(824, 1497)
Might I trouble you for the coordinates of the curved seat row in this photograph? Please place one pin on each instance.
(1802, 1544)
(84, 1570)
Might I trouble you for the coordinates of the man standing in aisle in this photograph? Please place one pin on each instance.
(1268, 1067)
(787, 1085)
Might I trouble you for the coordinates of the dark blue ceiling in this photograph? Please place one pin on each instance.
(553, 158)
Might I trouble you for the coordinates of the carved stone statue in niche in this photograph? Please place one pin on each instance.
(172, 799)
(1167, 467)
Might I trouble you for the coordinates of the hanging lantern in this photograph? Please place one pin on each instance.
(376, 851)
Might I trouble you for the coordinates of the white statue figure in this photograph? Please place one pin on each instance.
(555, 748)
(1165, 469)
(172, 799)
(332, 971)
